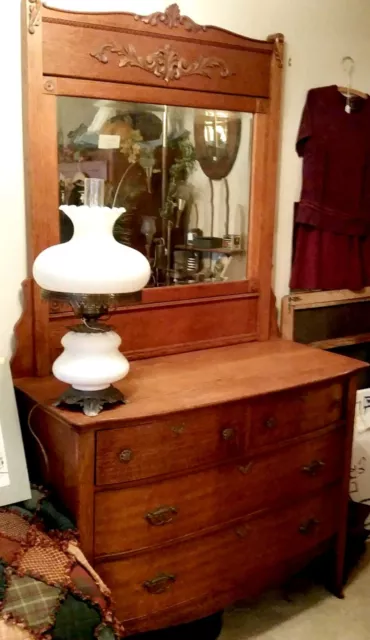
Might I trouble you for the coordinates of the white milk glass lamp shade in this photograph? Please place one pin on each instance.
(92, 262)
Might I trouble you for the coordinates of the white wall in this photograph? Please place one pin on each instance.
(318, 34)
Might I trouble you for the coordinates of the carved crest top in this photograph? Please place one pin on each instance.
(171, 18)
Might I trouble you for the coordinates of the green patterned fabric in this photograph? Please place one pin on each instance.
(75, 620)
(32, 601)
(106, 634)
(47, 588)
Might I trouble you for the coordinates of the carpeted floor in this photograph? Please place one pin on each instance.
(307, 613)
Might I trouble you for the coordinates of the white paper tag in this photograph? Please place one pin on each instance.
(109, 142)
(362, 416)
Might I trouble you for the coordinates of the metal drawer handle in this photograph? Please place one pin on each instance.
(270, 423)
(228, 434)
(161, 516)
(308, 527)
(126, 455)
(335, 404)
(159, 584)
(313, 468)
(246, 468)
(241, 531)
(178, 429)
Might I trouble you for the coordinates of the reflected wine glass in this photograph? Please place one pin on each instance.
(147, 162)
(182, 197)
(148, 229)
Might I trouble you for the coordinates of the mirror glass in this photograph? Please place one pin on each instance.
(182, 174)
(217, 140)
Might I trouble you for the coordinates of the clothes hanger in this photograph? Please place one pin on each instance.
(348, 65)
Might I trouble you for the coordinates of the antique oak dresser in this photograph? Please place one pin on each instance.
(228, 469)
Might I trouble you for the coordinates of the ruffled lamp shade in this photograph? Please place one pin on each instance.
(92, 265)
(92, 261)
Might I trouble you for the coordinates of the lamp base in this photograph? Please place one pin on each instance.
(91, 402)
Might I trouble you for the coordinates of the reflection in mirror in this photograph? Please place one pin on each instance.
(182, 174)
(217, 140)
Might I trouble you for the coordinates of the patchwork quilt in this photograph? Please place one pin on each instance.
(48, 590)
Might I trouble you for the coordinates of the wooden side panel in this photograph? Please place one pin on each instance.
(79, 52)
(63, 460)
(41, 176)
(153, 330)
(270, 174)
(343, 502)
(23, 361)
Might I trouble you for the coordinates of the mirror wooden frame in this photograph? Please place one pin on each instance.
(162, 58)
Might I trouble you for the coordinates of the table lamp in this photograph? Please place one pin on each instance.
(92, 272)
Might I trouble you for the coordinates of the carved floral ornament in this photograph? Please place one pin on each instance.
(164, 63)
(34, 15)
(170, 18)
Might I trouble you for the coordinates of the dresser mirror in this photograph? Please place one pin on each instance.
(191, 228)
(181, 121)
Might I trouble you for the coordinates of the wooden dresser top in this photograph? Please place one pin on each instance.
(202, 378)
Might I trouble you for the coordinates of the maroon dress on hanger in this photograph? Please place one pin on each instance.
(331, 248)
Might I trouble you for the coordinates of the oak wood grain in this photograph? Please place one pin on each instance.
(271, 173)
(273, 576)
(215, 564)
(75, 87)
(71, 50)
(290, 414)
(195, 324)
(160, 386)
(210, 498)
(175, 443)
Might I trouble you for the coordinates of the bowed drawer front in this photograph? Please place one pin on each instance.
(177, 443)
(287, 415)
(149, 583)
(177, 507)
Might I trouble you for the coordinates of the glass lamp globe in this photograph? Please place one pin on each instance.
(92, 271)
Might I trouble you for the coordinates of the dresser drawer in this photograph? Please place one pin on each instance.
(178, 442)
(144, 516)
(152, 582)
(286, 415)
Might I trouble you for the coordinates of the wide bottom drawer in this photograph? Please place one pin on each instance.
(149, 583)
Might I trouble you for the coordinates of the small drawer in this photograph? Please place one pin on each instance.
(175, 443)
(290, 414)
(141, 517)
(149, 583)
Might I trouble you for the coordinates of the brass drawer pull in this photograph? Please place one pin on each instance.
(308, 527)
(126, 455)
(241, 531)
(270, 423)
(159, 584)
(246, 468)
(228, 434)
(313, 468)
(161, 516)
(335, 404)
(178, 429)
